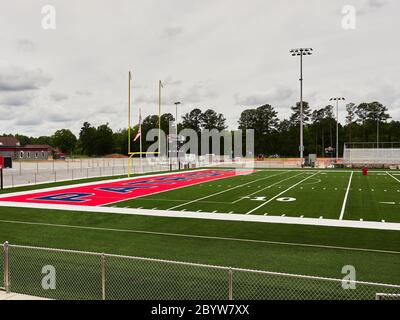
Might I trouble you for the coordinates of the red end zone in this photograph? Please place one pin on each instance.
(106, 193)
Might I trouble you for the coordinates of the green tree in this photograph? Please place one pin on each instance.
(192, 120)
(87, 138)
(65, 140)
(166, 118)
(23, 140)
(362, 116)
(378, 114)
(329, 122)
(351, 109)
(44, 140)
(317, 117)
(263, 121)
(295, 117)
(104, 140)
(120, 141)
(212, 120)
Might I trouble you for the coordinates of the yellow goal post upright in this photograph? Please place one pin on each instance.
(130, 153)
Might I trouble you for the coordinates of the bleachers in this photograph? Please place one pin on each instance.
(377, 157)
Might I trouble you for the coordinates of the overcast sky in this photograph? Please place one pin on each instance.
(222, 54)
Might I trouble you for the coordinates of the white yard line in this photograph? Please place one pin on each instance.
(345, 197)
(172, 200)
(270, 186)
(223, 191)
(197, 236)
(392, 176)
(279, 194)
(210, 216)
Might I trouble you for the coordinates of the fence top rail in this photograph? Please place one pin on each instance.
(262, 272)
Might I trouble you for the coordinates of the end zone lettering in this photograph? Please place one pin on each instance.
(100, 194)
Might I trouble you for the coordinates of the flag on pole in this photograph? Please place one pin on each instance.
(138, 135)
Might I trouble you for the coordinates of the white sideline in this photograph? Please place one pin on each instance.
(17, 296)
(345, 197)
(213, 216)
(281, 193)
(194, 236)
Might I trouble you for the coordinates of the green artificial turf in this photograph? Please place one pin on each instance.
(316, 194)
(298, 249)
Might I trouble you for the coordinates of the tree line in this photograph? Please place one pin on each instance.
(273, 136)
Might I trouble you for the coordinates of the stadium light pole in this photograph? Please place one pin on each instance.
(300, 52)
(337, 99)
(176, 125)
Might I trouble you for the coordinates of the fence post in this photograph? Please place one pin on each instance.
(230, 284)
(103, 276)
(6, 268)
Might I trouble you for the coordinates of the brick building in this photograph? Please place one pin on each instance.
(11, 147)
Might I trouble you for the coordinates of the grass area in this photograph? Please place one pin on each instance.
(212, 249)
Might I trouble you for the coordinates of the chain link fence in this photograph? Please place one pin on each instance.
(25, 173)
(32, 173)
(66, 274)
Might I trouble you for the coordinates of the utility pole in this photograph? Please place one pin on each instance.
(337, 99)
(301, 52)
(176, 127)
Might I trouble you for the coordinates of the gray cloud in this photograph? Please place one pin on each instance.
(16, 99)
(14, 78)
(60, 117)
(172, 32)
(198, 93)
(277, 94)
(26, 45)
(28, 119)
(377, 3)
(169, 81)
(6, 115)
(57, 96)
(86, 93)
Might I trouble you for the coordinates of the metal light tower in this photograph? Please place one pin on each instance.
(337, 99)
(176, 125)
(301, 52)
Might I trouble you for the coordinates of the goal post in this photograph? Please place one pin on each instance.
(372, 155)
(140, 152)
